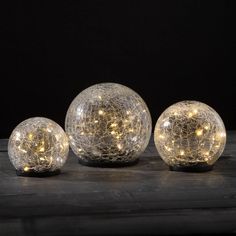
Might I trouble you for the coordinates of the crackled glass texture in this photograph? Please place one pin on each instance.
(38, 145)
(188, 133)
(108, 122)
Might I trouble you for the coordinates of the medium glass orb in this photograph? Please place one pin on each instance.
(108, 124)
(190, 136)
(38, 147)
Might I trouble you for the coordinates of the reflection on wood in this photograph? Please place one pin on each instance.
(145, 198)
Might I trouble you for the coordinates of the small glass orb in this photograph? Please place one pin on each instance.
(108, 124)
(38, 147)
(190, 136)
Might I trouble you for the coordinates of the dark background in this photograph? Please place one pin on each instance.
(166, 51)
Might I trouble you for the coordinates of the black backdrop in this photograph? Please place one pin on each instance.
(166, 51)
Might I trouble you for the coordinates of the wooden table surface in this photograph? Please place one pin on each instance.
(143, 199)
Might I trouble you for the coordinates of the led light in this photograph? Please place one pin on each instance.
(121, 130)
(34, 148)
(181, 152)
(199, 132)
(26, 168)
(101, 112)
(193, 140)
(166, 123)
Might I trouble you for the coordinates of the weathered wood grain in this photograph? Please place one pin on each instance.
(143, 199)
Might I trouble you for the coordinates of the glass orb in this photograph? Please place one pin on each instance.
(108, 124)
(190, 136)
(38, 147)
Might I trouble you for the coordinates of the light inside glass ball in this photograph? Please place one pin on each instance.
(190, 134)
(107, 124)
(38, 145)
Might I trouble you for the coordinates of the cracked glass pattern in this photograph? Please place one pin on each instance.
(108, 122)
(188, 133)
(38, 145)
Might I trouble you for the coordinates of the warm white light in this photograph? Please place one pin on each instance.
(49, 130)
(26, 168)
(35, 146)
(195, 137)
(120, 125)
(199, 132)
(190, 114)
(181, 152)
(100, 112)
(166, 123)
(119, 146)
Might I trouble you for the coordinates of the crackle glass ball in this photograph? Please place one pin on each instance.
(190, 136)
(108, 124)
(38, 147)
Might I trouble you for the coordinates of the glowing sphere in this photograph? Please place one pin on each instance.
(38, 147)
(190, 136)
(108, 124)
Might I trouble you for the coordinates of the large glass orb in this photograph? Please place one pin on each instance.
(38, 147)
(190, 136)
(108, 124)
